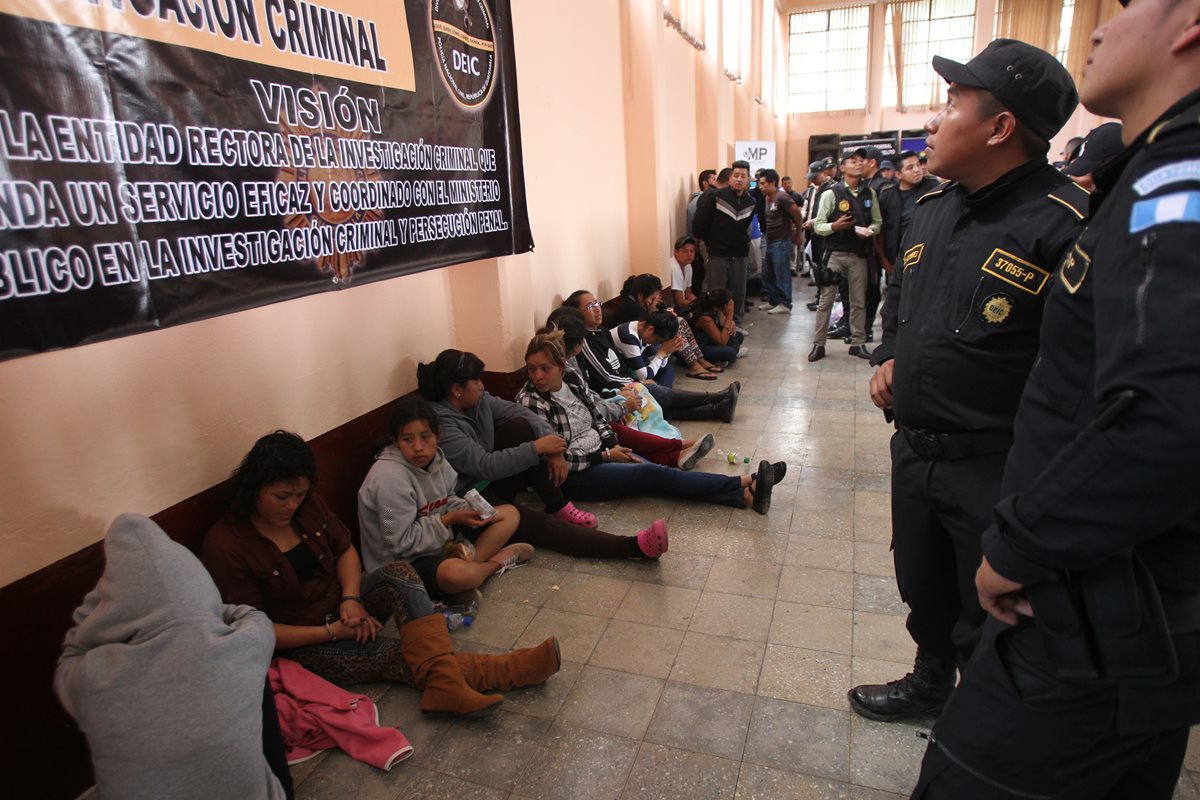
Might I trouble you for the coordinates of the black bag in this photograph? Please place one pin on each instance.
(822, 274)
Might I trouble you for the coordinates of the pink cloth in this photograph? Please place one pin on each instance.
(315, 715)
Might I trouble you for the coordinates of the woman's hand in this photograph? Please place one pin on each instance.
(550, 445)
(633, 400)
(621, 455)
(557, 469)
(465, 516)
(361, 631)
(351, 611)
(670, 346)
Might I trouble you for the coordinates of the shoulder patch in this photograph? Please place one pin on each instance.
(935, 191)
(1171, 173)
(1178, 207)
(1073, 197)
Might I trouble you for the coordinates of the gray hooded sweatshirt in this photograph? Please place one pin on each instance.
(400, 508)
(165, 680)
(469, 440)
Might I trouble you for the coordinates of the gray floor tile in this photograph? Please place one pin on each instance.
(798, 738)
(341, 776)
(763, 783)
(701, 719)
(814, 677)
(579, 764)
(718, 662)
(438, 786)
(873, 504)
(878, 594)
(638, 648)
(531, 585)
(400, 708)
(870, 528)
(544, 701)
(665, 606)
(493, 751)
(722, 614)
(499, 623)
(812, 627)
(885, 755)
(873, 558)
(809, 551)
(687, 570)
(594, 595)
(817, 587)
(882, 636)
(824, 523)
(611, 701)
(664, 773)
(752, 578)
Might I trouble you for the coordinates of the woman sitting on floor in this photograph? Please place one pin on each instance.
(641, 295)
(280, 549)
(602, 368)
(408, 511)
(600, 468)
(652, 437)
(502, 444)
(715, 327)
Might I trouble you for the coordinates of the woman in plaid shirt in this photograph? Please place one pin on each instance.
(601, 469)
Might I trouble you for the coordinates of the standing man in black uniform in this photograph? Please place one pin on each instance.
(960, 334)
(1085, 683)
(723, 222)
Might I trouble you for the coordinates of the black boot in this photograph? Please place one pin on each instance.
(920, 694)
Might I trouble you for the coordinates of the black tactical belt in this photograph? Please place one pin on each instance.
(954, 445)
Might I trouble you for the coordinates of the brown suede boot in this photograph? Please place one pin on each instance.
(426, 645)
(527, 667)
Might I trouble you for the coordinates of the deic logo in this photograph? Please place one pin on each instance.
(464, 44)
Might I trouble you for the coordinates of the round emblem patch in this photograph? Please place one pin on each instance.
(843, 205)
(464, 46)
(996, 309)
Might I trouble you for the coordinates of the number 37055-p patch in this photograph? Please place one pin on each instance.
(1016, 271)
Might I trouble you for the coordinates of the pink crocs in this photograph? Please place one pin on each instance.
(653, 541)
(569, 513)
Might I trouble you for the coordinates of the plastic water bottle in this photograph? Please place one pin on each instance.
(455, 620)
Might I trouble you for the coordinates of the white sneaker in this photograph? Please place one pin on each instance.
(743, 352)
(780, 309)
(765, 306)
(743, 331)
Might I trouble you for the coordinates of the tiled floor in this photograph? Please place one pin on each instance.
(721, 671)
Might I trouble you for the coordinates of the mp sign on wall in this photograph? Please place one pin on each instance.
(761, 155)
(165, 161)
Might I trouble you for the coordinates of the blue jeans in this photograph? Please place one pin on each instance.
(610, 481)
(722, 352)
(777, 273)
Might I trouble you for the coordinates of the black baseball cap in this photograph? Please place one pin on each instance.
(1030, 82)
(814, 168)
(1102, 145)
(826, 163)
(860, 152)
(873, 153)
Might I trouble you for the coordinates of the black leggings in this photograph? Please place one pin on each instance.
(540, 529)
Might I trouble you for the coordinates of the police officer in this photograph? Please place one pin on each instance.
(960, 333)
(1086, 681)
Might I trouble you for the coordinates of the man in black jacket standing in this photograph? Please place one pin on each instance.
(959, 337)
(1086, 681)
(723, 222)
(898, 201)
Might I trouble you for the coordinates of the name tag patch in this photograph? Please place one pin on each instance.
(912, 256)
(1171, 173)
(996, 309)
(1016, 271)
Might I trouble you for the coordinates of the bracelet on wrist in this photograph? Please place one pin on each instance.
(355, 597)
(332, 636)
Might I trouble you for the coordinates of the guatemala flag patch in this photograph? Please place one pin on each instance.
(1178, 207)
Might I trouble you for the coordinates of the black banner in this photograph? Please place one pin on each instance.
(164, 161)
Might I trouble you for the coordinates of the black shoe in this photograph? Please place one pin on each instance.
(838, 332)
(920, 694)
(778, 469)
(764, 479)
(870, 336)
(732, 390)
(811, 306)
(859, 350)
(817, 353)
(847, 338)
(727, 407)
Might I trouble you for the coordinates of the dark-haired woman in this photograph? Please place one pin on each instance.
(280, 549)
(641, 295)
(408, 511)
(716, 330)
(601, 469)
(503, 444)
(604, 372)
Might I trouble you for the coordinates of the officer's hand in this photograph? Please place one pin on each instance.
(842, 222)
(1000, 597)
(881, 385)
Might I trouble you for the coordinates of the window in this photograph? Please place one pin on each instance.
(687, 17)
(1064, 30)
(735, 35)
(767, 63)
(827, 59)
(926, 28)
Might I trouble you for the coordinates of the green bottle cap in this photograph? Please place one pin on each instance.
(745, 460)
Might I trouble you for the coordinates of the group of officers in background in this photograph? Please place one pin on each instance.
(1040, 360)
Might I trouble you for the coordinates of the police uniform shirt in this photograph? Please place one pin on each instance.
(1107, 435)
(965, 302)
